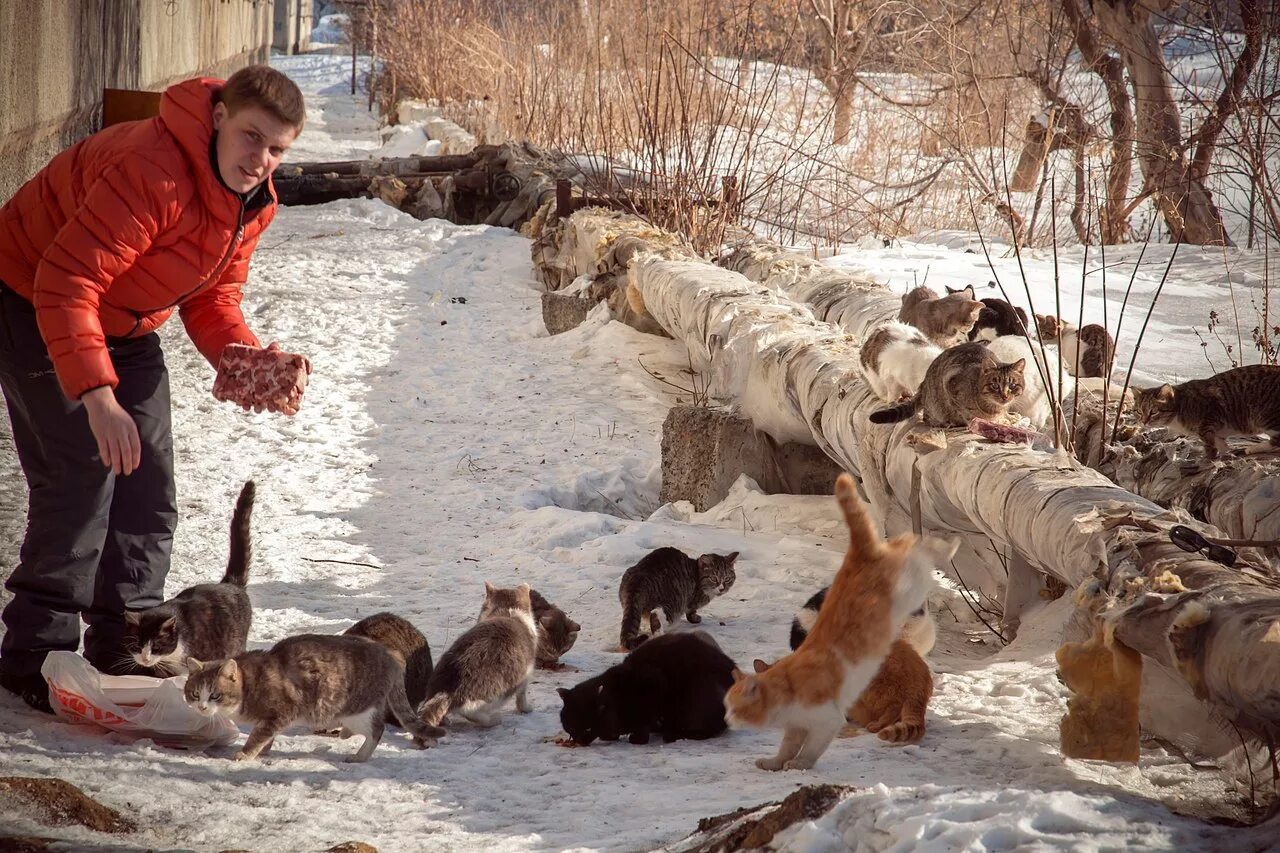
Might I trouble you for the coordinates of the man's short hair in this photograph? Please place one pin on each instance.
(263, 86)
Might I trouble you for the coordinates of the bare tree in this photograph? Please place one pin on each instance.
(843, 31)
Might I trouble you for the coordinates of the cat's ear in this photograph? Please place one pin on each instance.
(193, 666)
(941, 548)
(1019, 365)
(229, 670)
(738, 675)
(524, 589)
(1165, 393)
(133, 617)
(574, 627)
(730, 558)
(168, 624)
(564, 692)
(760, 666)
(951, 289)
(489, 589)
(973, 294)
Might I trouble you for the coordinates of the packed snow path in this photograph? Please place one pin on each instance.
(445, 441)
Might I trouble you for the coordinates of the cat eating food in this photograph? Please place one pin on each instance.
(323, 681)
(672, 583)
(962, 383)
(489, 664)
(806, 693)
(674, 684)
(209, 621)
(1241, 401)
(556, 631)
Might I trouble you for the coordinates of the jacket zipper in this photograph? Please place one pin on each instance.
(212, 277)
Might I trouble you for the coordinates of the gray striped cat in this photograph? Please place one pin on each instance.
(487, 665)
(962, 383)
(1241, 401)
(673, 583)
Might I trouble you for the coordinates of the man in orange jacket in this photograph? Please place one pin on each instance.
(96, 252)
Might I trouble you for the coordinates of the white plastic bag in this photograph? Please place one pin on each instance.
(135, 705)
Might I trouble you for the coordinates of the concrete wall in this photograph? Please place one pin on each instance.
(294, 20)
(56, 57)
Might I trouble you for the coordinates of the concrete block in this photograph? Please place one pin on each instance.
(705, 450)
(562, 311)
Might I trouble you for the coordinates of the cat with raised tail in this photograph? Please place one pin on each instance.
(489, 664)
(208, 621)
(670, 582)
(806, 693)
(945, 320)
(320, 680)
(1241, 401)
(895, 358)
(962, 383)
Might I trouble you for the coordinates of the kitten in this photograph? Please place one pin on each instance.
(963, 383)
(1086, 352)
(894, 358)
(1037, 399)
(919, 630)
(1241, 401)
(209, 621)
(894, 704)
(556, 631)
(487, 665)
(407, 645)
(945, 320)
(673, 684)
(320, 680)
(879, 584)
(997, 318)
(670, 581)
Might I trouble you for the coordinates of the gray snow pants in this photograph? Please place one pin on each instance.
(96, 544)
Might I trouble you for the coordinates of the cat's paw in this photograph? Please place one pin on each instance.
(768, 764)
(356, 759)
(638, 738)
(694, 618)
(243, 756)
(525, 707)
(798, 764)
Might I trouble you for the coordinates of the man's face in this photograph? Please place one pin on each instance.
(250, 145)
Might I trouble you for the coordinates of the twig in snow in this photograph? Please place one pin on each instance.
(341, 562)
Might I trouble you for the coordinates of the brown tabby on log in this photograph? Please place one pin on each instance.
(962, 383)
(1242, 401)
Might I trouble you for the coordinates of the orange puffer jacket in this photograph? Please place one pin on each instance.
(123, 227)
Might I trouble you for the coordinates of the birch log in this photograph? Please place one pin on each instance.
(1216, 631)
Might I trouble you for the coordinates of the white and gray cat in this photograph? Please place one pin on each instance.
(489, 664)
(320, 680)
(895, 358)
(670, 582)
(209, 621)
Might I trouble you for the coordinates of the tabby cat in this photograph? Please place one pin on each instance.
(1087, 351)
(671, 582)
(945, 320)
(209, 621)
(407, 645)
(1241, 401)
(317, 679)
(962, 383)
(805, 693)
(556, 631)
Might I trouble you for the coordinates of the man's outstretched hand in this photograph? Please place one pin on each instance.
(267, 379)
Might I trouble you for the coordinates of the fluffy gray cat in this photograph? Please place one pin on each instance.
(962, 383)
(487, 665)
(320, 680)
(671, 582)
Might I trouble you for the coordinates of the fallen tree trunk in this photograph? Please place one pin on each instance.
(1215, 630)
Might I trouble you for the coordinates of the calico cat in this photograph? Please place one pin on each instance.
(894, 358)
(487, 665)
(945, 320)
(894, 704)
(805, 693)
(1241, 401)
(556, 631)
(919, 630)
(670, 581)
(407, 645)
(209, 621)
(1086, 352)
(997, 318)
(321, 680)
(1036, 402)
(963, 383)
(673, 684)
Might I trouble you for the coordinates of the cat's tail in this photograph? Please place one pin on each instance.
(424, 734)
(433, 711)
(630, 634)
(636, 300)
(864, 539)
(241, 542)
(900, 412)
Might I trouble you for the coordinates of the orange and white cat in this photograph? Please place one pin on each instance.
(807, 692)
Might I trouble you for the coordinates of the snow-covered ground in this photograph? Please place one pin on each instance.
(445, 442)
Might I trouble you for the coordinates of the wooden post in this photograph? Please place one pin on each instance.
(564, 198)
